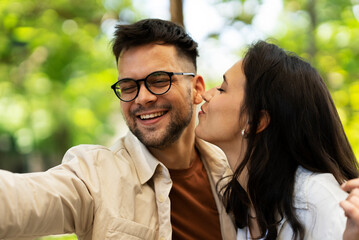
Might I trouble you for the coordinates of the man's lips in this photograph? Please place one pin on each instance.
(148, 119)
(147, 116)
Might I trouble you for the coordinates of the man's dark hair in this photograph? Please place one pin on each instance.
(154, 31)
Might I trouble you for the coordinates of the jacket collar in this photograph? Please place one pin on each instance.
(214, 159)
(300, 188)
(145, 163)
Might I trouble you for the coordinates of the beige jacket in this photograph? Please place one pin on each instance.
(101, 193)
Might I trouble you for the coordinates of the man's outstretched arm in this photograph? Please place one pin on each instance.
(38, 204)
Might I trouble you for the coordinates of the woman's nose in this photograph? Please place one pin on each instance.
(207, 95)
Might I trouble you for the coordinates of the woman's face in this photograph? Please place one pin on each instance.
(220, 121)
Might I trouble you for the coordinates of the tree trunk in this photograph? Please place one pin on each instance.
(176, 10)
(311, 8)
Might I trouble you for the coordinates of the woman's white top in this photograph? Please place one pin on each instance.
(317, 197)
(248, 236)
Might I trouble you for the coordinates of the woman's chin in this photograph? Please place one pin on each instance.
(199, 132)
(204, 136)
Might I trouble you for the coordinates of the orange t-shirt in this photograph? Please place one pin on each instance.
(194, 213)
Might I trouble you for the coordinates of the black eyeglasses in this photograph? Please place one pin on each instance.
(157, 83)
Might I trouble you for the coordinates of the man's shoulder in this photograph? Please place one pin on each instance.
(94, 153)
(91, 162)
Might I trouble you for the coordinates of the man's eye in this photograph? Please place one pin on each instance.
(159, 82)
(128, 89)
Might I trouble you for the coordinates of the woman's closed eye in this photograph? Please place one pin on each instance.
(220, 90)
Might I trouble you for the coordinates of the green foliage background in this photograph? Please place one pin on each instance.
(330, 42)
(56, 69)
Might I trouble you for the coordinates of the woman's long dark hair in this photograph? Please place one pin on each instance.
(304, 130)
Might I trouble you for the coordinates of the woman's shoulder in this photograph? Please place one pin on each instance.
(316, 188)
(316, 199)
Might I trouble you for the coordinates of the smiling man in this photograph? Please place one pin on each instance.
(158, 120)
(157, 182)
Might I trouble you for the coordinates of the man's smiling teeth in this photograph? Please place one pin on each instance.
(152, 115)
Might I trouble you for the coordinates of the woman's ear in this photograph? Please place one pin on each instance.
(263, 121)
(198, 89)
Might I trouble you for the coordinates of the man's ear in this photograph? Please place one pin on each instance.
(263, 121)
(198, 89)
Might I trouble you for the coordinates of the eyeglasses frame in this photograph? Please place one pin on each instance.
(170, 74)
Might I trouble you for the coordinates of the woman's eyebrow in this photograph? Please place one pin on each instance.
(224, 79)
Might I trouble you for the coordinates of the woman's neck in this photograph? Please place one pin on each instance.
(235, 158)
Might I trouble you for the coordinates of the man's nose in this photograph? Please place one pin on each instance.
(144, 95)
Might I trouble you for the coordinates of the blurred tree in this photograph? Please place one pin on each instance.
(326, 33)
(176, 10)
(56, 67)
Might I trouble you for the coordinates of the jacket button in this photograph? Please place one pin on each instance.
(161, 198)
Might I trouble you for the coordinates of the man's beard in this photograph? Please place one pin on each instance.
(178, 122)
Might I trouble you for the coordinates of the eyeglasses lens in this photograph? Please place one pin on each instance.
(126, 89)
(158, 83)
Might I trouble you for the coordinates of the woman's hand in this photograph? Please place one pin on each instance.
(351, 209)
